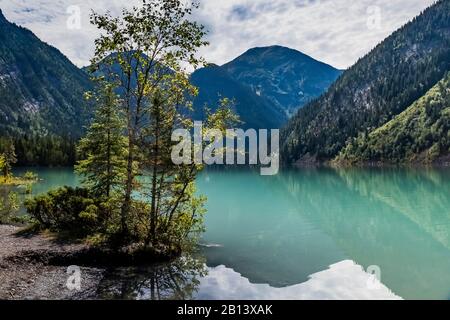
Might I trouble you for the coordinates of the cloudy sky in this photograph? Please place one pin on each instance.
(337, 32)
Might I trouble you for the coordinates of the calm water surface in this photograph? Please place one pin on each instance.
(305, 234)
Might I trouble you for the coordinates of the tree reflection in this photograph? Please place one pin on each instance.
(178, 280)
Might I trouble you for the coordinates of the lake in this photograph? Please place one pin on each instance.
(304, 234)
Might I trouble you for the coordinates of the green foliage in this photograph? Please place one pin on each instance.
(29, 188)
(41, 99)
(103, 149)
(377, 88)
(42, 150)
(29, 175)
(2, 162)
(27, 180)
(142, 54)
(134, 194)
(7, 159)
(419, 134)
(68, 209)
(9, 206)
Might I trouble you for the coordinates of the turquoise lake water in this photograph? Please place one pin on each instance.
(307, 234)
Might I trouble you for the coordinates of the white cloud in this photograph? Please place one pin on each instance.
(333, 31)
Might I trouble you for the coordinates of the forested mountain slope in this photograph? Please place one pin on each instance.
(287, 77)
(419, 134)
(378, 87)
(41, 91)
(214, 83)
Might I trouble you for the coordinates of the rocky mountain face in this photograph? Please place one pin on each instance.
(41, 91)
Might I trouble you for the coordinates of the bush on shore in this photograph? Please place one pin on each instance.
(9, 206)
(79, 214)
(68, 209)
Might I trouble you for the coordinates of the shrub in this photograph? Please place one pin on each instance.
(434, 152)
(30, 176)
(29, 188)
(68, 209)
(9, 206)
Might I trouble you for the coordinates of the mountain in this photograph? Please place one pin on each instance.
(255, 111)
(377, 88)
(41, 91)
(267, 84)
(287, 77)
(419, 134)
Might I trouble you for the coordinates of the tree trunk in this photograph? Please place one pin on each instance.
(128, 187)
(108, 164)
(154, 213)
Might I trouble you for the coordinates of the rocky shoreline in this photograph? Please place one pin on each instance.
(35, 266)
(23, 277)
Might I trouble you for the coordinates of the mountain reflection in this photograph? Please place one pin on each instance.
(188, 279)
(280, 230)
(397, 219)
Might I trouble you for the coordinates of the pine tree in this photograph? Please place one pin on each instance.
(2, 162)
(8, 159)
(103, 149)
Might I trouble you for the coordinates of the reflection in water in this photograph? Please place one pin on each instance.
(422, 196)
(396, 219)
(342, 281)
(178, 280)
(189, 279)
(281, 230)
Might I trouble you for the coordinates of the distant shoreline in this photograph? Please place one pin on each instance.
(442, 162)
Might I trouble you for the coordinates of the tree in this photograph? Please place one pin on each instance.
(145, 54)
(8, 159)
(175, 209)
(9, 206)
(104, 146)
(2, 163)
(136, 51)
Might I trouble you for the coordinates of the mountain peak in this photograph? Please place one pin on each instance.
(272, 48)
(276, 52)
(300, 78)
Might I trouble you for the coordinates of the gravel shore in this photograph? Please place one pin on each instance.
(25, 278)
